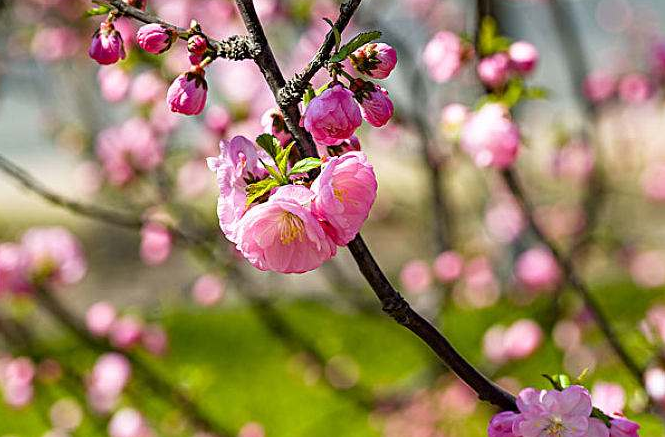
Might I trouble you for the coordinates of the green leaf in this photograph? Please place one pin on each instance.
(559, 382)
(513, 93)
(305, 165)
(270, 144)
(309, 95)
(258, 189)
(282, 158)
(358, 41)
(100, 10)
(489, 41)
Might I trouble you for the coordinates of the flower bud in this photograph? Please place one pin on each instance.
(273, 123)
(493, 70)
(375, 106)
(333, 116)
(187, 94)
(374, 59)
(523, 57)
(155, 38)
(197, 44)
(107, 46)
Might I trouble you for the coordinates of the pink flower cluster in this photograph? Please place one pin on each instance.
(602, 86)
(519, 340)
(416, 275)
(45, 256)
(553, 413)
(296, 228)
(125, 331)
(495, 70)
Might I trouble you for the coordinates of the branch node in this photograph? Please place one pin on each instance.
(397, 308)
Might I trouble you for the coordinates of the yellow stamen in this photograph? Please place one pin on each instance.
(291, 228)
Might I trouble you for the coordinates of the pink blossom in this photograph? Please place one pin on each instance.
(574, 161)
(16, 380)
(502, 424)
(147, 88)
(374, 59)
(107, 46)
(479, 288)
(537, 270)
(283, 235)
(156, 243)
(444, 55)
(647, 268)
(155, 340)
(609, 398)
(217, 119)
(505, 221)
(453, 117)
(128, 422)
(333, 116)
(208, 290)
(237, 163)
(125, 332)
(597, 428)
(345, 192)
(622, 427)
(155, 38)
(490, 137)
(448, 266)
(523, 57)
(128, 149)
(252, 429)
(108, 379)
(654, 382)
(522, 339)
(99, 318)
(197, 45)
(114, 83)
(273, 123)
(187, 94)
(554, 413)
(55, 256)
(14, 267)
(53, 44)
(493, 70)
(193, 180)
(635, 88)
(376, 107)
(346, 146)
(599, 86)
(416, 276)
(653, 182)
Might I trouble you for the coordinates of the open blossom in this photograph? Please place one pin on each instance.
(444, 56)
(188, 93)
(491, 137)
(376, 107)
(14, 265)
(155, 38)
(374, 59)
(156, 243)
(55, 256)
(502, 424)
(554, 413)
(345, 192)
(107, 46)
(333, 116)
(283, 235)
(493, 70)
(523, 57)
(537, 270)
(237, 164)
(130, 148)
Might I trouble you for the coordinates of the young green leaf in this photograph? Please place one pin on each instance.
(258, 189)
(270, 144)
(309, 95)
(282, 158)
(100, 10)
(358, 41)
(305, 165)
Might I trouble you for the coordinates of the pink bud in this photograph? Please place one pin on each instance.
(416, 276)
(114, 83)
(107, 46)
(376, 107)
(537, 270)
(155, 38)
(273, 123)
(99, 318)
(622, 427)
(374, 59)
(197, 45)
(501, 424)
(448, 266)
(333, 116)
(187, 94)
(207, 290)
(523, 57)
(635, 88)
(493, 70)
(599, 86)
(125, 332)
(155, 340)
(156, 243)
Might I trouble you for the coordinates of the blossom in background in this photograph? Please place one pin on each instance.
(156, 243)
(537, 270)
(108, 378)
(490, 137)
(444, 56)
(494, 70)
(55, 256)
(415, 276)
(99, 318)
(14, 267)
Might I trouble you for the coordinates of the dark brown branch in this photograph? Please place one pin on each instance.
(235, 48)
(294, 89)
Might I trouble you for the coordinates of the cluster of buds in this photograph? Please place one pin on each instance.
(496, 69)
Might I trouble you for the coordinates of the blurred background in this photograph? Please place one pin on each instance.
(226, 349)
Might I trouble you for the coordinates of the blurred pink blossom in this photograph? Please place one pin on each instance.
(537, 270)
(416, 276)
(126, 332)
(99, 318)
(208, 290)
(156, 243)
(113, 82)
(599, 86)
(647, 268)
(448, 266)
(55, 256)
(609, 397)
